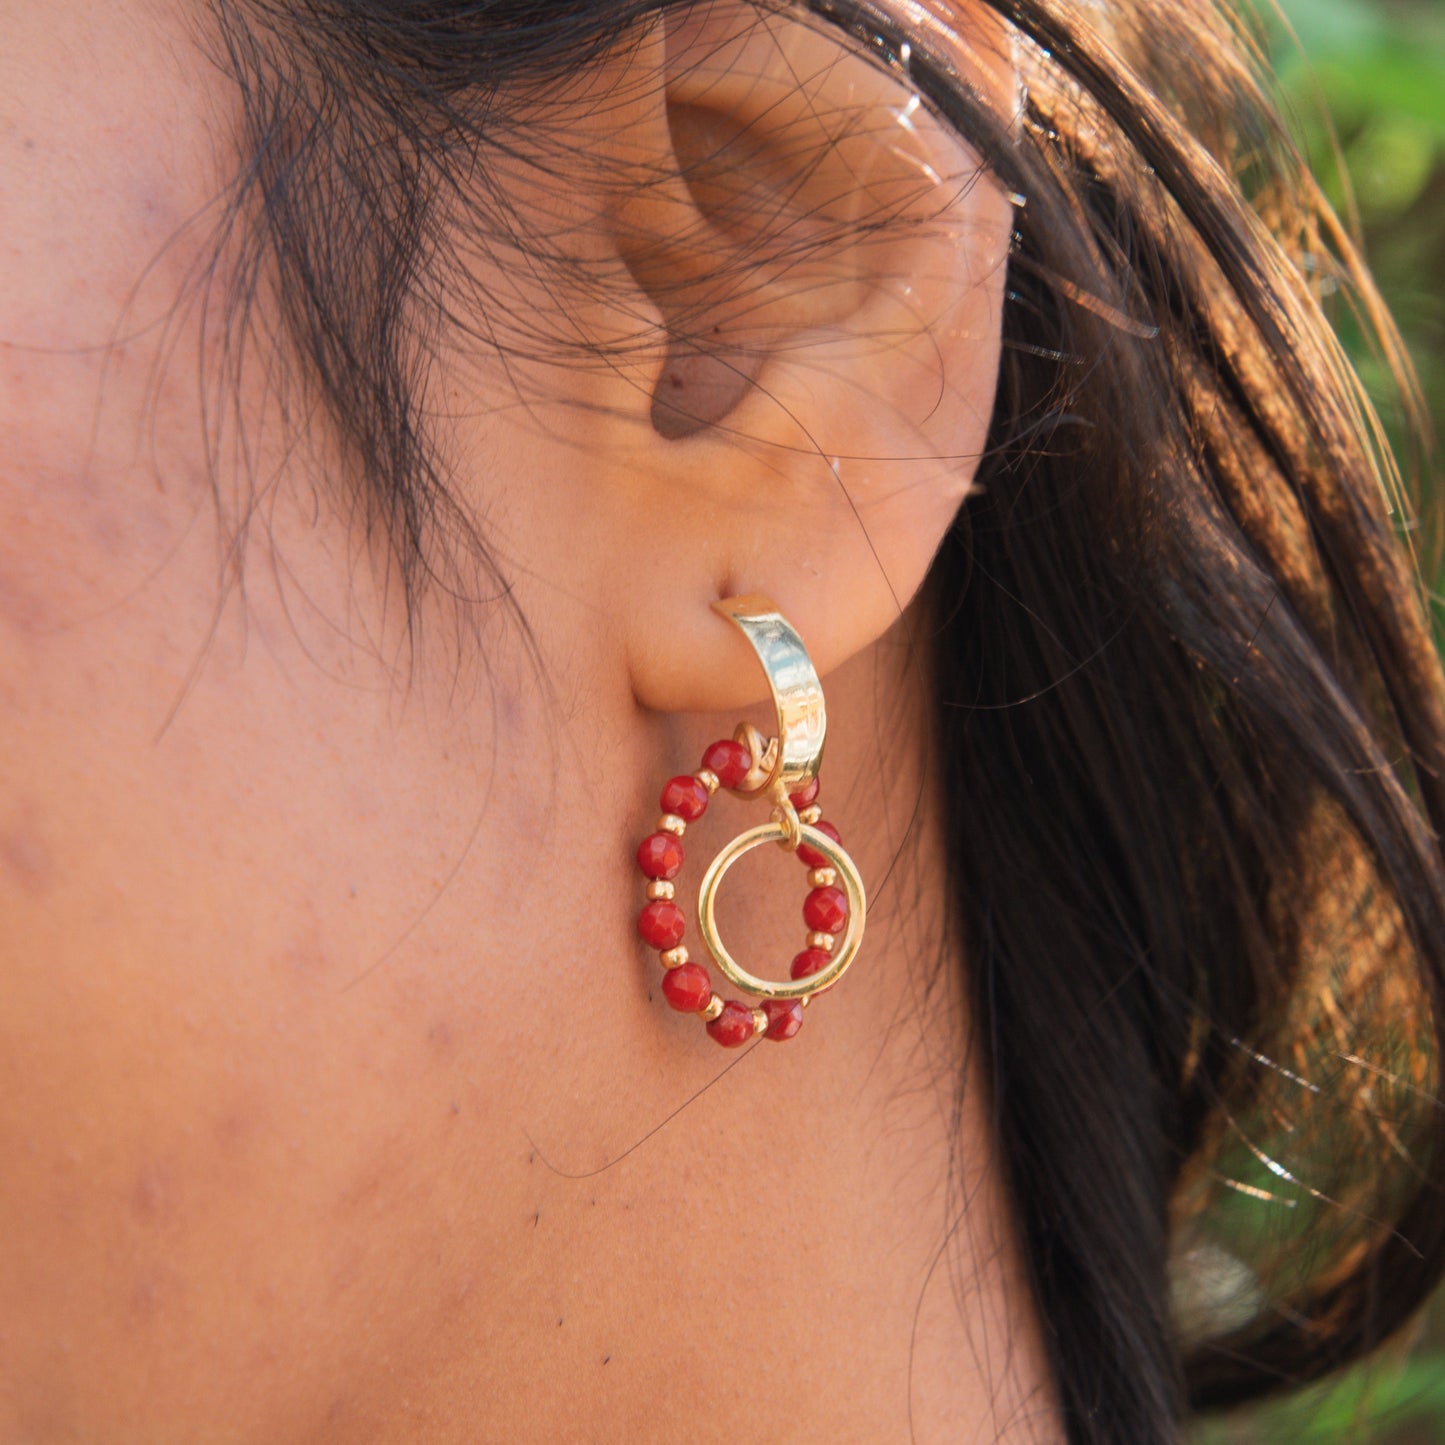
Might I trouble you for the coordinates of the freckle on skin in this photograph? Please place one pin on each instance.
(25, 856)
(230, 1132)
(145, 1298)
(153, 1196)
(305, 956)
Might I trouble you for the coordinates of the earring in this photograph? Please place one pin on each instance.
(782, 771)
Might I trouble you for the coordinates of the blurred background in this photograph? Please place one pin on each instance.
(1364, 83)
(1373, 72)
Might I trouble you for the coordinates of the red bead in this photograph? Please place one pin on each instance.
(785, 1018)
(660, 855)
(729, 760)
(686, 797)
(810, 856)
(806, 797)
(810, 961)
(825, 910)
(687, 988)
(661, 924)
(733, 1027)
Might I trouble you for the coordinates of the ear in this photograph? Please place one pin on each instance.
(801, 332)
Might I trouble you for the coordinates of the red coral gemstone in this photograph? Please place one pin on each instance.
(785, 1018)
(810, 961)
(661, 924)
(729, 760)
(686, 797)
(810, 856)
(733, 1027)
(687, 988)
(805, 798)
(826, 910)
(660, 855)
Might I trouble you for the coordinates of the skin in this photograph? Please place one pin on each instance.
(337, 1099)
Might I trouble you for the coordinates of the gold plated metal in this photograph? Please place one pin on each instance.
(711, 781)
(673, 957)
(660, 888)
(822, 878)
(825, 941)
(760, 1021)
(711, 1009)
(671, 823)
(764, 753)
(793, 682)
(785, 815)
(847, 947)
(810, 815)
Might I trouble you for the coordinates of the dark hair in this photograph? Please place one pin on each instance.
(1191, 715)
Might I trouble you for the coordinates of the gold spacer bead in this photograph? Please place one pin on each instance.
(671, 823)
(674, 957)
(811, 815)
(825, 941)
(660, 888)
(760, 1022)
(808, 998)
(708, 779)
(711, 1009)
(822, 877)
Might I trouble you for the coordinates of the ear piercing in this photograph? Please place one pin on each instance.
(783, 772)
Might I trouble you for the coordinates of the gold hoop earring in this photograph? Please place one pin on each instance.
(783, 771)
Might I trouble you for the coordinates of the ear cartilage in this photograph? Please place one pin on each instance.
(782, 771)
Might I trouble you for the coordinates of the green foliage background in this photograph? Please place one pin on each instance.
(1364, 81)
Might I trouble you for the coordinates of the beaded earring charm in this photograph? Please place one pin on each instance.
(782, 771)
